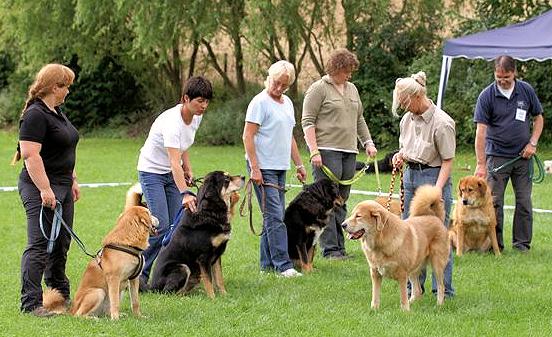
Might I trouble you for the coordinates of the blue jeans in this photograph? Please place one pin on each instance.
(342, 165)
(413, 178)
(164, 201)
(274, 245)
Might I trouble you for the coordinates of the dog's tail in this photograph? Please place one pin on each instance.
(134, 196)
(427, 201)
(53, 301)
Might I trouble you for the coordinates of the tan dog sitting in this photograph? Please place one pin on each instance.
(474, 225)
(117, 266)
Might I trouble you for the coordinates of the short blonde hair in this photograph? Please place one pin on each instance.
(406, 88)
(341, 59)
(280, 68)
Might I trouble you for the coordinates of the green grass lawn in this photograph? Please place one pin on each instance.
(505, 296)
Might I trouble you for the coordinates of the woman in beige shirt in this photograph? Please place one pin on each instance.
(427, 144)
(333, 122)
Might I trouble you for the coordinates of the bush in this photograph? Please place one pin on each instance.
(106, 95)
(386, 43)
(224, 120)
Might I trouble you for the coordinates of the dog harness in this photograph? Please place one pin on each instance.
(134, 251)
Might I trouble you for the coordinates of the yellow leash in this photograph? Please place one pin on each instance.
(354, 179)
(376, 169)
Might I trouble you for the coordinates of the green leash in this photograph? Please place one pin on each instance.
(534, 160)
(351, 181)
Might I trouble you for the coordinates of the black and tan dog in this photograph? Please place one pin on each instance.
(305, 218)
(199, 241)
(117, 265)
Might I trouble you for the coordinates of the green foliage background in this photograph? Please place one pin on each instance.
(132, 56)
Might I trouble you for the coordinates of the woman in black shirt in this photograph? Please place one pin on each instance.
(47, 144)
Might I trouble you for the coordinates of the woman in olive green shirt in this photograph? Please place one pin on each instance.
(333, 121)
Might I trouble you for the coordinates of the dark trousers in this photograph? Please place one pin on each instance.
(36, 263)
(522, 231)
(342, 164)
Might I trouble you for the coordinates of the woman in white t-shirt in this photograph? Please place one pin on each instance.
(269, 144)
(164, 168)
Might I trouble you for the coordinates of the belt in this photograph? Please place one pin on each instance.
(419, 166)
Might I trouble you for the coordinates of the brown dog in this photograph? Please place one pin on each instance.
(474, 218)
(399, 249)
(117, 265)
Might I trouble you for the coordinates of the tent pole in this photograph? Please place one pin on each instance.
(445, 70)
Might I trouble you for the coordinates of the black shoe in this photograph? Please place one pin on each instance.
(336, 256)
(521, 249)
(41, 312)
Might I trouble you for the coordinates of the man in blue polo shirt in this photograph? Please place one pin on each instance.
(503, 114)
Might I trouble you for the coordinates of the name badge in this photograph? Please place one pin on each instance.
(521, 114)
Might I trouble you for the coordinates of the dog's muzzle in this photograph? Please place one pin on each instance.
(338, 202)
(355, 235)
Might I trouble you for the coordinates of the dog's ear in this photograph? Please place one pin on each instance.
(379, 220)
(482, 186)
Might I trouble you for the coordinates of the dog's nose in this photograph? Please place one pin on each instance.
(465, 202)
(344, 224)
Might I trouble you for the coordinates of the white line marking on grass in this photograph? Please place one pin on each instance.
(396, 196)
(91, 185)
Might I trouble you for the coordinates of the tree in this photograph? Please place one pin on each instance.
(388, 36)
(291, 30)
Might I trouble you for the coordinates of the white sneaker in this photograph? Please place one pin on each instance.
(290, 273)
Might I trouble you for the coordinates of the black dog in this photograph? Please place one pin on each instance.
(305, 218)
(199, 241)
(385, 165)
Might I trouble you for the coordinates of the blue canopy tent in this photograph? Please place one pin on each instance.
(528, 40)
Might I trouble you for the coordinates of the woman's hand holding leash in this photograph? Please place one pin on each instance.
(371, 151)
(398, 159)
(316, 159)
(256, 176)
(189, 201)
(48, 198)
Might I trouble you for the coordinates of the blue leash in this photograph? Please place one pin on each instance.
(57, 222)
(167, 237)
